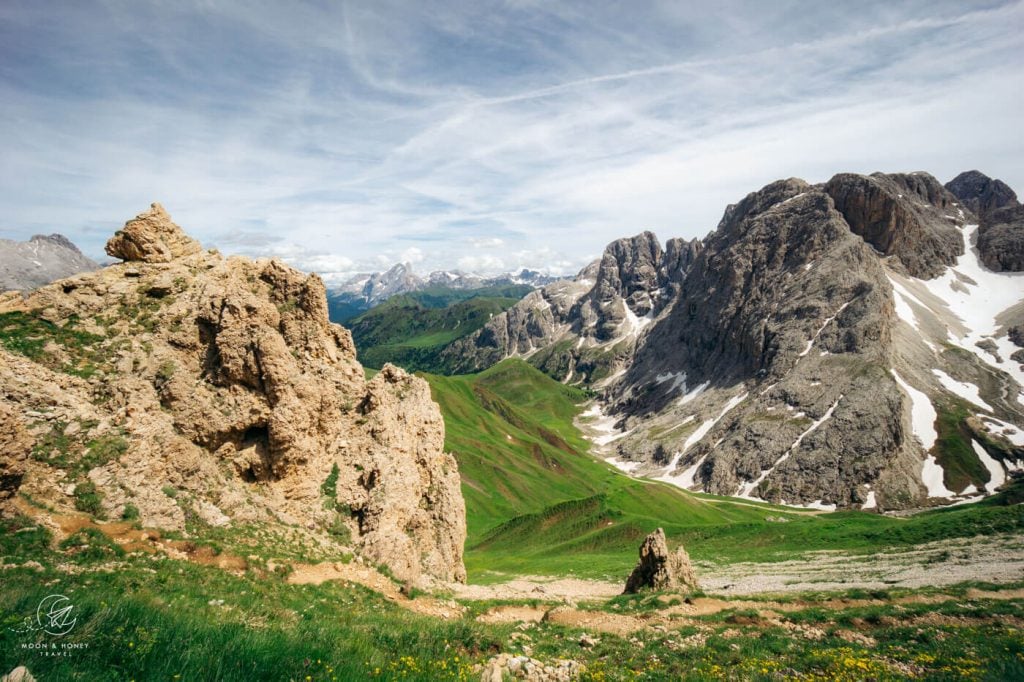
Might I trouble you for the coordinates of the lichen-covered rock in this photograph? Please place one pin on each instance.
(659, 569)
(151, 237)
(222, 379)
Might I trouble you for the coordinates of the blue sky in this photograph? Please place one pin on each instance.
(345, 136)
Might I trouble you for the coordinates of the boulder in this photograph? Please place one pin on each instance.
(659, 569)
(151, 237)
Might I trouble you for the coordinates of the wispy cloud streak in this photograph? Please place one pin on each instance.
(342, 136)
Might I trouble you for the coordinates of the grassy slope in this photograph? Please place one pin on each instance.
(158, 618)
(410, 330)
(538, 503)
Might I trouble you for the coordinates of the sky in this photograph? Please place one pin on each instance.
(487, 135)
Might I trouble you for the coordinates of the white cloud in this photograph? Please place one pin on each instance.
(487, 242)
(482, 265)
(493, 134)
(412, 255)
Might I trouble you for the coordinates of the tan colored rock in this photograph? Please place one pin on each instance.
(16, 445)
(19, 674)
(235, 398)
(658, 569)
(151, 237)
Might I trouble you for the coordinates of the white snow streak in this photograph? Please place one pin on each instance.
(697, 435)
(746, 489)
(968, 392)
(810, 344)
(996, 473)
(922, 411)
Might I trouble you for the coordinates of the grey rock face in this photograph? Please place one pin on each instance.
(1001, 239)
(1000, 217)
(909, 216)
(785, 322)
(40, 260)
(584, 328)
(981, 194)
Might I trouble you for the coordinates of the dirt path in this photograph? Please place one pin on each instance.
(541, 587)
(315, 574)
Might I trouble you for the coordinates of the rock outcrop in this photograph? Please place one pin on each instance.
(584, 329)
(980, 194)
(40, 260)
(16, 446)
(909, 216)
(659, 569)
(1001, 239)
(222, 379)
(151, 237)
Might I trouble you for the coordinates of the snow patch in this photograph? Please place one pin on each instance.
(923, 413)
(694, 392)
(1006, 430)
(870, 503)
(968, 392)
(678, 380)
(996, 473)
(976, 296)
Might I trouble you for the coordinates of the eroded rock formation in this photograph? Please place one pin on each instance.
(221, 380)
(659, 569)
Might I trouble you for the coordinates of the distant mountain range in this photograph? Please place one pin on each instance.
(38, 261)
(367, 290)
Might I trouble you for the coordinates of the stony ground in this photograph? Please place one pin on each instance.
(998, 559)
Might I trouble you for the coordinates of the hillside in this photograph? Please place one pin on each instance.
(537, 503)
(40, 260)
(854, 344)
(411, 330)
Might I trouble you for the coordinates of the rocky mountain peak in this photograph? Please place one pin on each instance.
(151, 237)
(40, 260)
(909, 216)
(757, 202)
(981, 194)
(56, 239)
(630, 271)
